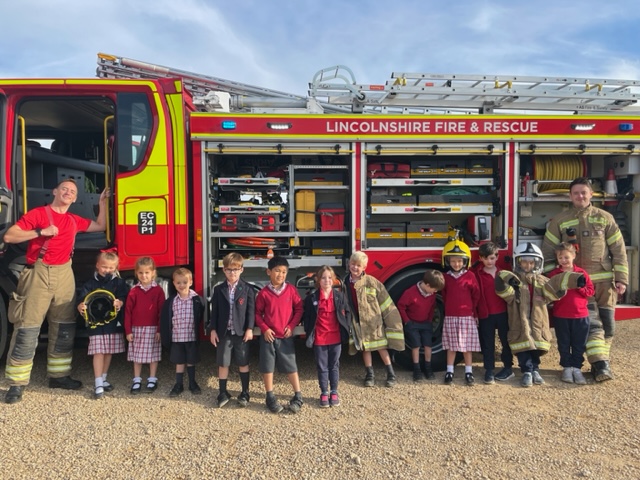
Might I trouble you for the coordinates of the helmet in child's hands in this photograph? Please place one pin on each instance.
(100, 308)
(456, 248)
(528, 251)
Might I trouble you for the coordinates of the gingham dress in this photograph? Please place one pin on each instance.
(460, 334)
(106, 344)
(144, 348)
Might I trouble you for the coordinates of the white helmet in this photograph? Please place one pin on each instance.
(528, 251)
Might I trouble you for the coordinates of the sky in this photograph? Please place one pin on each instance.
(281, 44)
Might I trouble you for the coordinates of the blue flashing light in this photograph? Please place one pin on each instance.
(625, 127)
(228, 125)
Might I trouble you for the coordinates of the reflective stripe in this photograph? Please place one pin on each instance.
(395, 335)
(597, 220)
(614, 238)
(549, 295)
(386, 304)
(542, 345)
(505, 293)
(601, 276)
(552, 238)
(548, 267)
(370, 291)
(519, 345)
(58, 365)
(19, 373)
(597, 347)
(621, 268)
(569, 223)
(376, 344)
(564, 284)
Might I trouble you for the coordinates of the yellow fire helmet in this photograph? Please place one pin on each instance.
(100, 309)
(456, 248)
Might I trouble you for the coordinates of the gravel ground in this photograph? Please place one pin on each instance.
(424, 430)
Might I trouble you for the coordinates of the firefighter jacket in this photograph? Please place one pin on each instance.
(601, 250)
(527, 296)
(377, 323)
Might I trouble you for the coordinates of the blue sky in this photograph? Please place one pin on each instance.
(281, 44)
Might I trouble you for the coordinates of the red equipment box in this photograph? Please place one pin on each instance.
(331, 217)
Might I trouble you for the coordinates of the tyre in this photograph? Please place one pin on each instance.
(396, 286)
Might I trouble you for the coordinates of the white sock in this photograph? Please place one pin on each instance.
(468, 369)
(449, 368)
(99, 382)
(104, 377)
(137, 380)
(152, 380)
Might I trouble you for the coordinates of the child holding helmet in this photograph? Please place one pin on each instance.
(461, 296)
(527, 293)
(106, 334)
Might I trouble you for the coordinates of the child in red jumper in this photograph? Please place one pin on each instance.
(461, 296)
(416, 306)
(142, 324)
(278, 311)
(571, 317)
(493, 316)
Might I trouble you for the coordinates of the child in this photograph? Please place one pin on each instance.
(527, 293)
(571, 317)
(327, 321)
(106, 339)
(376, 322)
(180, 321)
(493, 316)
(278, 311)
(233, 316)
(461, 296)
(142, 324)
(416, 306)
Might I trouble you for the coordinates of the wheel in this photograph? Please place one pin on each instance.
(396, 286)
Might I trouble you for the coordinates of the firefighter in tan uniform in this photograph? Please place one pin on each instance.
(601, 252)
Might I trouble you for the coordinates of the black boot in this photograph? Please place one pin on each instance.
(602, 371)
(368, 377)
(66, 383)
(428, 371)
(417, 373)
(14, 395)
(391, 376)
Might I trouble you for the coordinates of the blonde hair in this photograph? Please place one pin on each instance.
(359, 258)
(182, 272)
(231, 259)
(325, 268)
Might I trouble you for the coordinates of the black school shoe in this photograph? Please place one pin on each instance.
(176, 390)
(273, 405)
(195, 389)
(14, 395)
(223, 399)
(66, 383)
(448, 378)
(468, 378)
(243, 399)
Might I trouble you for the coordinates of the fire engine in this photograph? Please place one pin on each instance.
(201, 166)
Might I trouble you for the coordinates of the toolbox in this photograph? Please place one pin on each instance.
(387, 235)
(479, 165)
(249, 223)
(331, 217)
(427, 167)
(427, 234)
(327, 246)
(425, 200)
(305, 211)
(452, 167)
(318, 178)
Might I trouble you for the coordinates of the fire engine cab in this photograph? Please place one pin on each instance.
(201, 167)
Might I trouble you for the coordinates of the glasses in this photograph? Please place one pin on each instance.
(233, 270)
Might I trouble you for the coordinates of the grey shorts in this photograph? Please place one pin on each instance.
(232, 347)
(280, 353)
(418, 334)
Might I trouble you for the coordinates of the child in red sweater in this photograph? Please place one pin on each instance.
(278, 311)
(461, 295)
(142, 324)
(493, 316)
(571, 317)
(416, 306)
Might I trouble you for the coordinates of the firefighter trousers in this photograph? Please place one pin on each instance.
(601, 321)
(44, 291)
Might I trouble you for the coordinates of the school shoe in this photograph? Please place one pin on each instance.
(136, 388)
(428, 371)
(417, 375)
(152, 386)
(448, 378)
(537, 378)
(295, 404)
(324, 400)
(489, 378)
(468, 378)
(567, 375)
(176, 390)
(505, 374)
(243, 399)
(66, 383)
(195, 389)
(223, 399)
(334, 399)
(107, 386)
(14, 394)
(369, 379)
(578, 377)
(526, 380)
(98, 393)
(273, 405)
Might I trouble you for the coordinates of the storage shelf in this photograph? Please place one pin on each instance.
(321, 187)
(278, 234)
(307, 261)
(429, 182)
(436, 209)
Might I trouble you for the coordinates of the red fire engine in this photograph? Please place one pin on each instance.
(201, 166)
